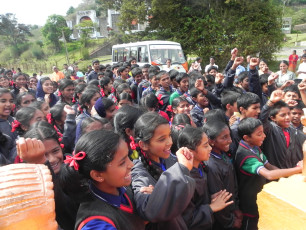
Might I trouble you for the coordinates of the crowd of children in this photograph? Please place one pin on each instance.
(137, 147)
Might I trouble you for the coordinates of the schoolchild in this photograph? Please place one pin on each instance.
(173, 186)
(123, 73)
(199, 213)
(267, 87)
(66, 91)
(253, 169)
(145, 83)
(105, 108)
(124, 99)
(180, 105)
(151, 103)
(41, 145)
(45, 91)
(296, 114)
(173, 73)
(24, 99)
(20, 85)
(106, 86)
(283, 144)
(8, 150)
(154, 84)
(77, 95)
(62, 118)
(229, 104)
(124, 87)
(182, 80)
(163, 94)
(99, 175)
(4, 82)
(202, 106)
(291, 93)
(222, 174)
(124, 121)
(137, 78)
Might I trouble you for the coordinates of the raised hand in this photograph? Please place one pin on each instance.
(199, 84)
(219, 78)
(68, 109)
(238, 61)
(220, 202)
(185, 157)
(234, 54)
(302, 86)
(272, 78)
(31, 150)
(276, 96)
(292, 103)
(254, 62)
(287, 83)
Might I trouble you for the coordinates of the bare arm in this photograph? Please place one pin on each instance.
(278, 173)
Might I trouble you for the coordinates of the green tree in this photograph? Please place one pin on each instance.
(71, 10)
(86, 28)
(12, 32)
(210, 27)
(53, 30)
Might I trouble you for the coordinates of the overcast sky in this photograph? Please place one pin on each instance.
(36, 12)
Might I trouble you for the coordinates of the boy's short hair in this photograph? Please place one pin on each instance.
(194, 92)
(293, 88)
(247, 126)
(277, 107)
(210, 78)
(94, 61)
(115, 66)
(211, 68)
(154, 68)
(152, 75)
(229, 97)
(246, 100)
(146, 66)
(263, 79)
(173, 73)
(161, 73)
(121, 69)
(242, 76)
(180, 77)
(136, 71)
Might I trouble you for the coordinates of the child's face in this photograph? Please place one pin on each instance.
(27, 100)
(222, 142)
(184, 84)
(245, 84)
(118, 171)
(4, 82)
(290, 96)
(124, 102)
(202, 151)
(48, 87)
(93, 100)
(109, 86)
(283, 118)
(183, 107)
(110, 112)
(264, 88)
(165, 81)
(54, 154)
(155, 82)
(6, 105)
(252, 111)
(145, 73)
(213, 72)
(68, 92)
(174, 83)
(202, 100)
(296, 115)
(160, 144)
(138, 78)
(125, 73)
(21, 82)
(256, 138)
(45, 108)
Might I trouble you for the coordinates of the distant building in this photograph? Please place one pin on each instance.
(286, 28)
(104, 24)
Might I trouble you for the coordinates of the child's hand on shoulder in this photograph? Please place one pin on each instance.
(276, 96)
(147, 190)
(220, 201)
(185, 157)
(31, 150)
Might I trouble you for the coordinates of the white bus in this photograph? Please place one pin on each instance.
(153, 53)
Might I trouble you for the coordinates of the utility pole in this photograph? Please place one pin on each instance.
(67, 56)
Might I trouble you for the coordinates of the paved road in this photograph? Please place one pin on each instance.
(288, 50)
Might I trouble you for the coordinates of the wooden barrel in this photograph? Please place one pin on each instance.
(26, 198)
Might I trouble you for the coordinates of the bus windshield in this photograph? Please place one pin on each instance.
(160, 54)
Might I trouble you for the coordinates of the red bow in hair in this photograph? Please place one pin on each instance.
(113, 90)
(73, 100)
(59, 93)
(62, 146)
(11, 83)
(133, 145)
(102, 92)
(160, 101)
(72, 160)
(49, 118)
(169, 108)
(116, 107)
(15, 125)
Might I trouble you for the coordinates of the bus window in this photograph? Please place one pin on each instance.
(126, 54)
(120, 54)
(160, 54)
(115, 55)
(142, 54)
(133, 52)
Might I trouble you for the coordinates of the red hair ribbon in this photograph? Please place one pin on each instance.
(15, 125)
(49, 118)
(160, 100)
(11, 83)
(145, 155)
(113, 90)
(102, 92)
(133, 145)
(72, 160)
(73, 100)
(62, 146)
(169, 108)
(59, 93)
